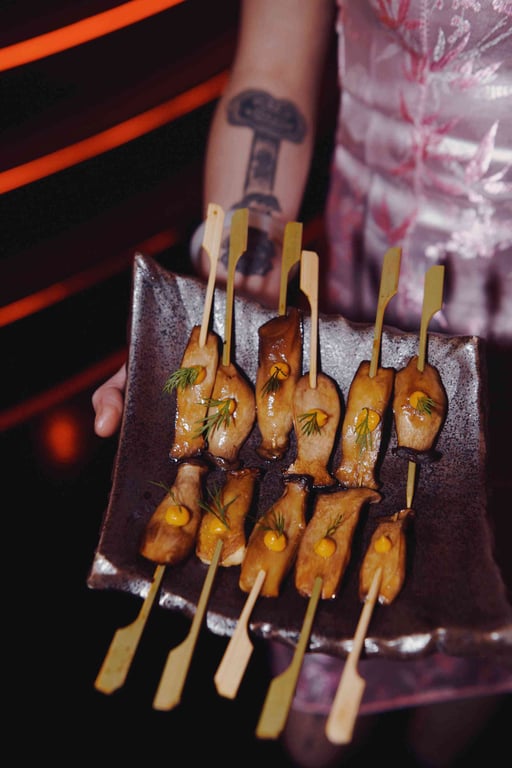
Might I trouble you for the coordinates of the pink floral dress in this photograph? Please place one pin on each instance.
(423, 160)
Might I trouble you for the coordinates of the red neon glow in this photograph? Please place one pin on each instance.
(112, 137)
(62, 438)
(91, 377)
(80, 32)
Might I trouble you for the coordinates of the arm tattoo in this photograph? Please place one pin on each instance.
(271, 122)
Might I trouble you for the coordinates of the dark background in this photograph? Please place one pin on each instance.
(77, 231)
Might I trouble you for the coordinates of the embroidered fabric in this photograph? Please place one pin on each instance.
(424, 161)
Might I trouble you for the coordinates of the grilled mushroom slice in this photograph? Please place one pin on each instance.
(171, 532)
(387, 550)
(279, 368)
(274, 540)
(316, 416)
(224, 517)
(326, 546)
(419, 406)
(367, 403)
(193, 383)
(230, 417)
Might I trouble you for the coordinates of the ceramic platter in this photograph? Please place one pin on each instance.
(453, 598)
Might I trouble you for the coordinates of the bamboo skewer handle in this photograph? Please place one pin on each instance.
(388, 288)
(237, 246)
(239, 649)
(211, 243)
(432, 303)
(309, 286)
(282, 688)
(175, 672)
(117, 662)
(291, 255)
(342, 717)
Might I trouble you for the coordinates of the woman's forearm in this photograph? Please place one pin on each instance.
(262, 135)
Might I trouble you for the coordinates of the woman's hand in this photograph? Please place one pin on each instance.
(108, 401)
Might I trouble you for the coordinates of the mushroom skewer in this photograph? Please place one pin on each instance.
(420, 401)
(233, 390)
(381, 578)
(125, 641)
(279, 361)
(316, 401)
(270, 553)
(231, 410)
(193, 381)
(369, 396)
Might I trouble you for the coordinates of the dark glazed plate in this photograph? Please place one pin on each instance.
(453, 600)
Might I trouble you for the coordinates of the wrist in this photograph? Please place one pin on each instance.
(263, 227)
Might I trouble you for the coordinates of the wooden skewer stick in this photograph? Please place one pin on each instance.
(309, 286)
(342, 717)
(239, 649)
(388, 288)
(282, 688)
(291, 255)
(237, 246)
(175, 672)
(211, 243)
(432, 303)
(118, 659)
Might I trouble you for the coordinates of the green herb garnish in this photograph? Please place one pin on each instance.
(276, 523)
(216, 507)
(183, 378)
(425, 405)
(333, 527)
(219, 418)
(312, 422)
(364, 433)
(274, 382)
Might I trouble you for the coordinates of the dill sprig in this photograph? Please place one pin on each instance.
(219, 418)
(333, 527)
(182, 378)
(275, 523)
(216, 507)
(425, 405)
(275, 380)
(364, 433)
(160, 484)
(309, 423)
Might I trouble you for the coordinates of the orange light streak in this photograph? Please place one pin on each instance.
(113, 137)
(80, 32)
(47, 297)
